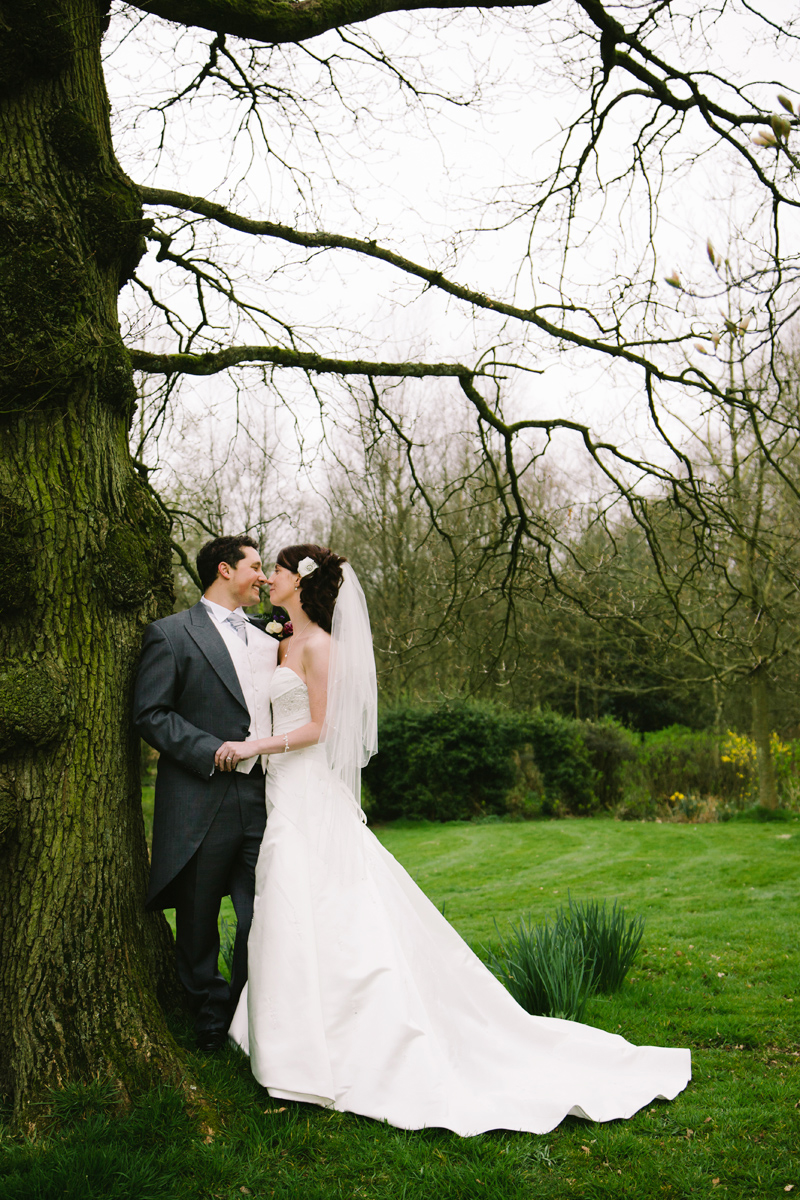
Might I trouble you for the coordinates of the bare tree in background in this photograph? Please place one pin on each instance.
(415, 504)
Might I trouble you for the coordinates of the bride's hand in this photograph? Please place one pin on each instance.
(231, 753)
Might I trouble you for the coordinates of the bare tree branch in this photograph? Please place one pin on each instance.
(690, 376)
(212, 364)
(276, 22)
(186, 564)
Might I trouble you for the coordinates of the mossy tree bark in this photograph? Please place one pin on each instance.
(85, 564)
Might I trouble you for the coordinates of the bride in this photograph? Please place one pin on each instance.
(361, 996)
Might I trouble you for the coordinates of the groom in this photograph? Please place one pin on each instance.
(204, 679)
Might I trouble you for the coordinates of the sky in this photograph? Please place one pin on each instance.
(443, 182)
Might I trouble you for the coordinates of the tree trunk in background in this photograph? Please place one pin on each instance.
(85, 564)
(717, 746)
(767, 788)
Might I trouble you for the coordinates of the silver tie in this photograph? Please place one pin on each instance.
(239, 624)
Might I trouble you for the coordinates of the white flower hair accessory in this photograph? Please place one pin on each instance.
(306, 566)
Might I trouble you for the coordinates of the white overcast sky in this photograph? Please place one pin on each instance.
(418, 180)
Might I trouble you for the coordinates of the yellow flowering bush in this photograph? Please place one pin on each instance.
(739, 750)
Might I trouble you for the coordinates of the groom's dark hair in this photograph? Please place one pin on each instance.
(221, 550)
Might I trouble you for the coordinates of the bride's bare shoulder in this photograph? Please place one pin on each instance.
(318, 643)
(316, 654)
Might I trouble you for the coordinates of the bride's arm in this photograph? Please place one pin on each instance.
(314, 661)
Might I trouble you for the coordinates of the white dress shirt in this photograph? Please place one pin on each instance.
(254, 664)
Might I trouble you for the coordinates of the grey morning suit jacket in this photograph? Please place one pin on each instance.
(187, 702)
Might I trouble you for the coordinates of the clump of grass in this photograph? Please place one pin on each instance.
(609, 938)
(545, 968)
(552, 969)
(77, 1103)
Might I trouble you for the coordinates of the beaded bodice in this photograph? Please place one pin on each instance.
(289, 698)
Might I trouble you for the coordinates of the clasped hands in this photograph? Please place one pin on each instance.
(231, 753)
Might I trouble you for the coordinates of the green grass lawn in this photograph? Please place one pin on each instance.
(718, 972)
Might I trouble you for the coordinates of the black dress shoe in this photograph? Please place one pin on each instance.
(211, 1040)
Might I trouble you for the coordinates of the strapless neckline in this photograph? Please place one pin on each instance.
(281, 667)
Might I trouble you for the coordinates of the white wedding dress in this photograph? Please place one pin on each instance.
(363, 998)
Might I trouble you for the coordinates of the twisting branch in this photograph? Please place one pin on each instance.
(689, 376)
(183, 558)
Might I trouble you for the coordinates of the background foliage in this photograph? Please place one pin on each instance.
(467, 760)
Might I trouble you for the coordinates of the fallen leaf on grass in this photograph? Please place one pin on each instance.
(586, 1150)
(275, 1110)
(789, 1187)
(714, 1182)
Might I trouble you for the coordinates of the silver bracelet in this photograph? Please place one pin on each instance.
(285, 743)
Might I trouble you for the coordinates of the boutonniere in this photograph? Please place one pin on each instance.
(279, 626)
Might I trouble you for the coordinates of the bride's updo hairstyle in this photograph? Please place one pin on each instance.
(320, 587)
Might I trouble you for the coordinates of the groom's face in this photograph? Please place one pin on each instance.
(246, 578)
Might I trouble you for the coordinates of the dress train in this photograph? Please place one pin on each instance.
(363, 998)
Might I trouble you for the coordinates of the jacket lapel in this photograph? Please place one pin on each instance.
(201, 629)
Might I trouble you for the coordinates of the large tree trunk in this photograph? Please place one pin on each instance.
(85, 563)
(767, 787)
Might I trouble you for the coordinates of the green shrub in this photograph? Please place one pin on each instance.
(467, 759)
(449, 763)
(611, 747)
(527, 799)
(683, 761)
(564, 760)
(636, 804)
(759, 813)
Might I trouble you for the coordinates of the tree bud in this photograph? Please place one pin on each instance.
(780, 126)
